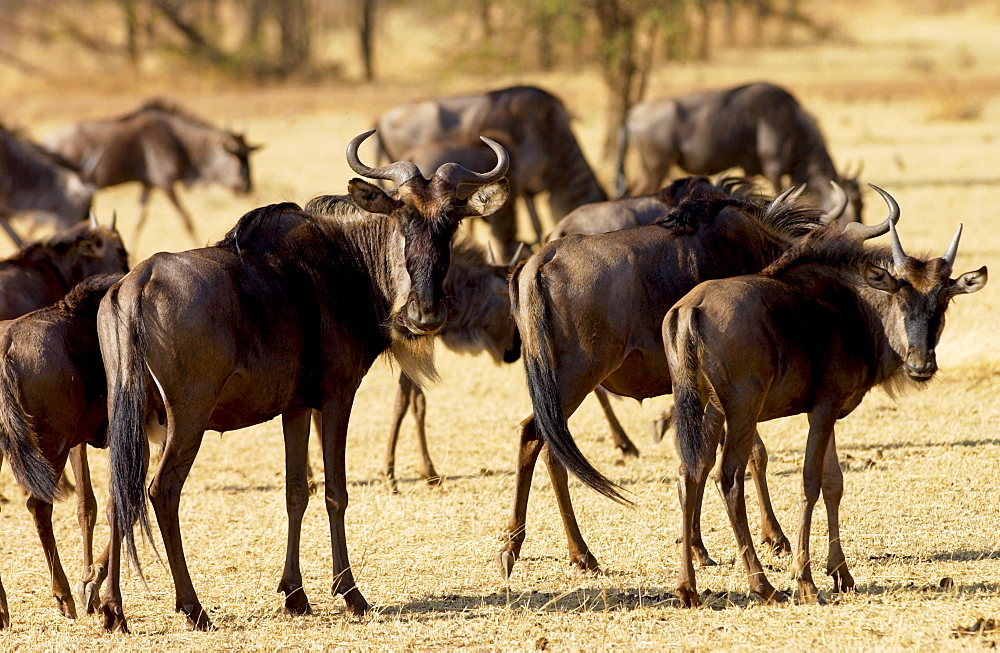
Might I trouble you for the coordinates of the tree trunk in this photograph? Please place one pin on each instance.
(618, 66)
(296, 43)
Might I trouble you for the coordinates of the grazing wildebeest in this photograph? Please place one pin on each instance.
(479, 320)
(34, 180)
(549, 156)
(575, 339)
(53, 400)
(812, 333)
(474, 154)
(40, 274)
(284, 315)
(759, 127)
(157, 145)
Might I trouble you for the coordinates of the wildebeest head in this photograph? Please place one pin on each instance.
(851, 185)
(426, 212)
(228, 161)
(92, 248)
(922, 291)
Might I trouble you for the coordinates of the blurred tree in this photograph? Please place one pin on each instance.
(366, 30)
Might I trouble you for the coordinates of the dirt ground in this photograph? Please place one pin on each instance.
(911, 90)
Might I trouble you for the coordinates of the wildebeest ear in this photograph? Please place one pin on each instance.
(969, 282)
(880, 279)
(487, 200)
(370, 197)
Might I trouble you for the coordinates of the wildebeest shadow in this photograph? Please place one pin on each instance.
(961, 555)
(574, 600)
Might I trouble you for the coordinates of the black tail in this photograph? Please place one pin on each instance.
(689, 410)
(19, 441)
(127, 447)
(549, 418)
(621, 184)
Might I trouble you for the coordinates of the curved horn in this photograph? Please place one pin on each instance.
(516, 256)
(780, 198)
(949, 256)
(898, 255)
(93, 219)
(490, 258)
(114, 221)
(798, 192)
(399, 172)
(457, 175)
(840, 206)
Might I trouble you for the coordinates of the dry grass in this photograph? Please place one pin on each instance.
(921, 473)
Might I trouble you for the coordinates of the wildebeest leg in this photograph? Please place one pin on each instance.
(617, 432)
(5, 223)
(4, 610)
(111, 600)
(91, 584)
(143, 213)
(713, 425)
(184, 438)
(86, 514)
(419, 403)
(579, 553)
(690, 490)
(513, 536)
(536, 223)
(821, 422)
(741, 428)
(295, 425)
(770, 529)
(336, 413)
(503, 226)
(41, 511)
(402, 405)
(185, 216)
(833, 490)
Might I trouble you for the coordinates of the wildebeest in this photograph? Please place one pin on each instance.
(157, 145)
(53, 400)
(812, 333)
(284, 315)
(589, 310)
(40, 274)
(474, 154)
(549, 156)
(479, 320)
(32, 179)
(758, 127)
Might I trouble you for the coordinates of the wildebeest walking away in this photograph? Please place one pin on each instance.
(53, 399)
(575, 339)
(549, 156)
(33, 180)
(158, 145)
(758, 127)
(812, 333)
(284, 315)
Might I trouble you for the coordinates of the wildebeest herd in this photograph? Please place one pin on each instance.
(745, 307)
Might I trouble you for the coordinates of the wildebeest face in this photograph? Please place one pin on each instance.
(229, 163)
(921, 291)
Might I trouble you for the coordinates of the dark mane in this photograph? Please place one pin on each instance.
(86, 295)
(831, 247)
(168, 107)
(255, 228)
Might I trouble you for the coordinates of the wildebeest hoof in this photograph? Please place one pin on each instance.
(296, 603)
(771, 596)
(808, 594)
(778, 545)
(357, 604)
(688, 596)
(628, 449)
(585, 562)
(842, 580)
(66, 607)
(505, 561)
(197, 618)
(114, 619)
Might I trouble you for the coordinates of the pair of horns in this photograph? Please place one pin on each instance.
(455, 175)
(899, 256)
(93, 220)
(513, 259)
(832, 215)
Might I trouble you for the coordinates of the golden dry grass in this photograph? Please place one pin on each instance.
(922, 498)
